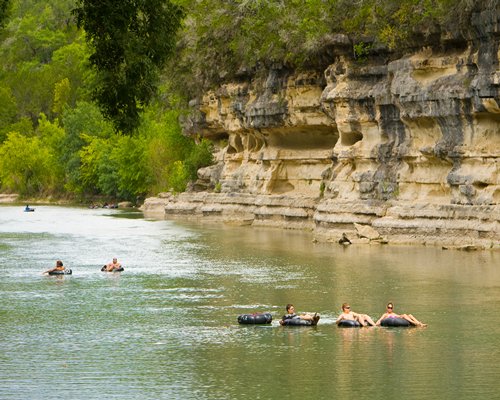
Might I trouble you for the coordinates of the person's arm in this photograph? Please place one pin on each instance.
(340, 318)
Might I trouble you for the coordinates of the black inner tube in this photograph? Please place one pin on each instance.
(104, 269)
(64, 272)
(257, 318)
(346, 323)
(395, 322)
(296, 322)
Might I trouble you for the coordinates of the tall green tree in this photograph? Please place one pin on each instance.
(4, 9)
(39, 49)
(8, 110)
(28, 165)
(81, 124)
(130, 41)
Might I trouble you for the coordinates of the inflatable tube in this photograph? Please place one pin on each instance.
(29, 209)
(296, 321)
(64, 272)
(395, 322)
(256, 318)
(346, 323)
(121, 269)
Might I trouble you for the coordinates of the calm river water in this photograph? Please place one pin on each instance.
(166, 327)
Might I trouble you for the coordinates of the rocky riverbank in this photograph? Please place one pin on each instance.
(345, 222)
(406, 145)
(93, 203)
(8, 198)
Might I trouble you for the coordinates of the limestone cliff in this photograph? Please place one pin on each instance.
(408, 145)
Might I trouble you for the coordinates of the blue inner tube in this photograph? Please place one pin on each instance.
(346, 323)
(103, 269)
(395, 322)
(65, 272)
(296, 321)
(257, 318)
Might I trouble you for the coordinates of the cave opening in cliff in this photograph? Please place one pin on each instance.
(350, 138)
(303, 138)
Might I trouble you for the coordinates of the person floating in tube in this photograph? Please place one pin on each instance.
(391, 314)
(59, 267)
(112, 266)
(348, 315)
(290, 314)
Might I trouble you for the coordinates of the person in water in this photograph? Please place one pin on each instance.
(59, 267)
(391, 314)
(348, 315)
(290, 314)
(113, 265)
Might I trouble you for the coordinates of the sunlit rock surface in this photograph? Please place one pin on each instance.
(408, 146)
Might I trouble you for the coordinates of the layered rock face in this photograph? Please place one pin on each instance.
(408, 146)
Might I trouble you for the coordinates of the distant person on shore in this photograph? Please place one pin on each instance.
(290, 314)
(59, 267)
(114, 265)
(348, 315)
(391, 314)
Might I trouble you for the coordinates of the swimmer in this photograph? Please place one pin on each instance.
(290, 314)
(113, 265)
(391, 314)
(59, 267)
(348, 315)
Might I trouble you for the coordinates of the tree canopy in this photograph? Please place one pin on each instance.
(222, 40)
(130, 42)
(4, 7)
(55, 140)
(67, 94)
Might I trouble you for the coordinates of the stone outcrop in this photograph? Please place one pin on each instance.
(407, 146)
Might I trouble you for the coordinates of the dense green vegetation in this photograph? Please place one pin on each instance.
(75, 75)
(55, 141)
(130, 42)
(230, 39)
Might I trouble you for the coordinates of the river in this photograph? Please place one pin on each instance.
(166, 327)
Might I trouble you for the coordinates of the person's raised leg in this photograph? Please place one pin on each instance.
(412, 320)
(368, 320)
(360, 318)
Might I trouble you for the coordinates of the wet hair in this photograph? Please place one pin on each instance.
(288, 306)
(59, 263)
(390, 304)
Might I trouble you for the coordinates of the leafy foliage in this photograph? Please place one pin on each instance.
(54, 140)
(130, 41)
(29, 165)
(225, 40)
(38, 51)
(171, 157)
(4, 9)
(8, 110)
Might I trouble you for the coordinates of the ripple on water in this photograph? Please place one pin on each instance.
(167, 327)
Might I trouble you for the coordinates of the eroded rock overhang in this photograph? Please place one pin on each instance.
(409, 146)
